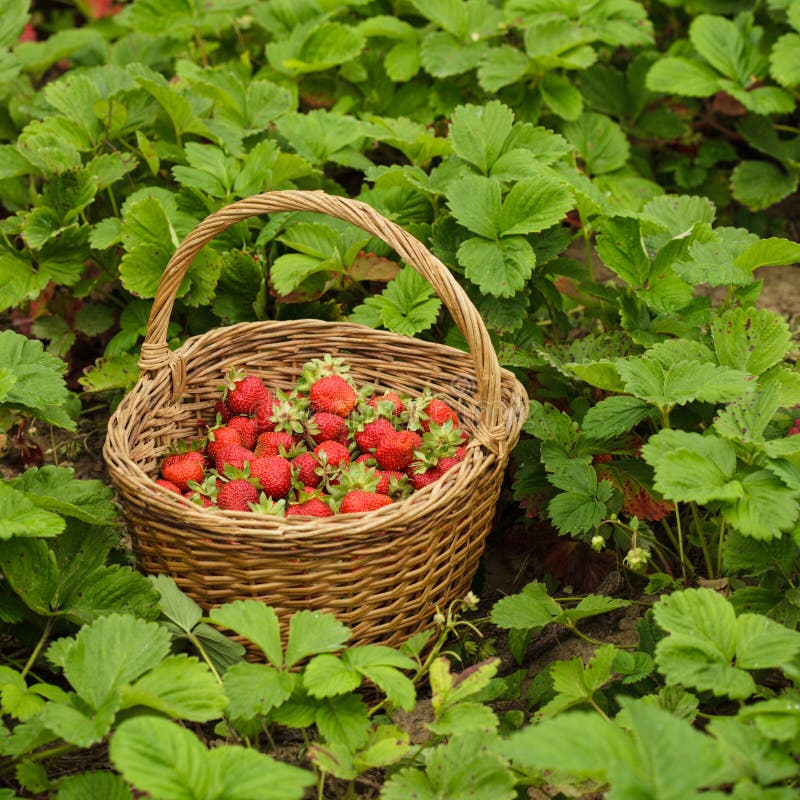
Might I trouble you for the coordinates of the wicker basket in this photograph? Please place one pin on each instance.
(382, 573)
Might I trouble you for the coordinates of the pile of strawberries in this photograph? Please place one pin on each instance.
(326, 447)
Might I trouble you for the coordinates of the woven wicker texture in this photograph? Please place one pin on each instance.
(384, 573)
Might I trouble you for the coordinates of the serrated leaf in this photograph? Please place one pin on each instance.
(478, 133)
(563, 99)
(501, 66)
(463, 767)
(403, 61)
(690, 467)
(181, 687)
(721, 43)
(784, 60)
(174, 604)
(533, 205)
(531, 609)
(110, 652)
(591, 606)
(343, 720)
(750, 339)
(254, 689)
(256, 622)
(398, 688)
(747, 418)
(317, 48)
(498, 267)
(599, 141)
(621, 246)
(167, 761)
(444, 55)
(475, 203)
(463, 717)
(57, 489)
(313, 632)
(760, 184)
(18, 280)
(614, 416)
(328, 675)
(19, 516)
(93, 784)
(765, 508)
(408, 305)
(688, 77)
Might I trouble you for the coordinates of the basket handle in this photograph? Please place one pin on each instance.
(156, 355)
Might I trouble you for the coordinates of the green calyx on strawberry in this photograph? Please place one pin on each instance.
(355, 477)
(289, 413)
(313, 507)
(269, 506)
(438, 442)
(318, 368)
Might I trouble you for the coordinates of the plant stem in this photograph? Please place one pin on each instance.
(48, 627)
(680, 542)
(599, 710)
(719, 547)
(587, 243)
(196, 642)
(321, 786)
(698, 525)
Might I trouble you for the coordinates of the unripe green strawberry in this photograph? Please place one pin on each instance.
(332, 394)
(274, 474)
(247, 430)
(181, 468)
(237, 495)
(357, 501)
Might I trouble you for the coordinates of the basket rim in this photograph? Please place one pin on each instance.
(171, 508)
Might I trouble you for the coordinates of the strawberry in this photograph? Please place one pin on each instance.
(332, 394)
(234, 455)
(199, 499)
(419, 480)
(437, 411)
(247, 429)
(393, 483)
(221, 437)
(274, 474)
(304, 467)
(396, 451)
(332, 454)
(244, 392)
(388, 404)
(373, 434)
(168, 485)
(262, 415)
(270, 443)
(181, 468)
(356, 501)
(237, 495)
(366, 458)
(326, 427)
(448, 462)
(266, 505)
(315, 507)
(221, 409)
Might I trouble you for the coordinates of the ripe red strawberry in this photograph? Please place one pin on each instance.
(168, 485)
(200, 499)
(222, 409)
(326, 427)
(236, 495)
(332, 394)
(233, 454)
(795, 429)
(304, 467)
(181, 468)
(439, 412)
(274, 474)
(366, 458)
(388, 402)
(270, 443)
(373, 433)
(262, 415)
(385, 480)
(247, 430)
(446, 463)
(221, 437)
(357, 500)
(333, 454)
(315, 507)
(419, 480)
(244, 393)
(396, 451)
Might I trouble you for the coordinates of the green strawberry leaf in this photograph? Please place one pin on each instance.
(498, 267)
(478, 133)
